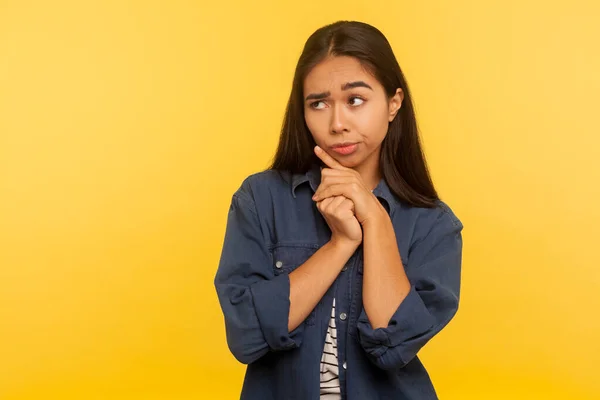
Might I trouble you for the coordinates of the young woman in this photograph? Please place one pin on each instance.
(340, 262)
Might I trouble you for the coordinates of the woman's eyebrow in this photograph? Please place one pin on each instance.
(318, 95)
(351, 85)
(345, 86)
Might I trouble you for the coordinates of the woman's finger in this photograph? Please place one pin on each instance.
(347, 203)
(348, 190)
(327, 159)
(337, 172)
(335, 203)
(331, 180)
(324, 203)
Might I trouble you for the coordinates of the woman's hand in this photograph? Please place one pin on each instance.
(338, 180)
(338, 212)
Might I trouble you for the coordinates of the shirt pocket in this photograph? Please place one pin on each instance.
(286, 258)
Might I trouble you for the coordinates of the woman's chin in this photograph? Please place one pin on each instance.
(350, 162)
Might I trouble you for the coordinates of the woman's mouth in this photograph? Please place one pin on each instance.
(345, 149)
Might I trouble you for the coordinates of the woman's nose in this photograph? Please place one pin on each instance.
(339, 122)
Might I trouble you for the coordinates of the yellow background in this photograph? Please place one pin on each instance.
(125, 126)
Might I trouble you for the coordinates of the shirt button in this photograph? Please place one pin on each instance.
(278, 264)
(345, 268)
(343, 316)
(344, 365)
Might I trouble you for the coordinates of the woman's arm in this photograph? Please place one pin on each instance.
(433, 266)
(310, 281)
(385, 284)
(263, 311)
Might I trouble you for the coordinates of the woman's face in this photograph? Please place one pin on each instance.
(344, 105)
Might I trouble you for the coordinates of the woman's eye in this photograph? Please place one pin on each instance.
(356, 101)
(318, 105)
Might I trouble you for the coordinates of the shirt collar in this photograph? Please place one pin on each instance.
(313, 177)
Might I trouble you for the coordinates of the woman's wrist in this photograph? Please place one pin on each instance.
(344, 245)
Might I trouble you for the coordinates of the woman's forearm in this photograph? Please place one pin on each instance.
(385, 284)
(310, 281)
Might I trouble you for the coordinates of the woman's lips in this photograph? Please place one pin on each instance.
(346, 150)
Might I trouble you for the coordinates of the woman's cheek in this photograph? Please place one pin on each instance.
(364, 120)
(317, 125)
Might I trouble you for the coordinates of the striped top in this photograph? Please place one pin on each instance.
(330, 376)
(330, 382)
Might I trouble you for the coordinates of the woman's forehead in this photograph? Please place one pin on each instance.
(334, 72)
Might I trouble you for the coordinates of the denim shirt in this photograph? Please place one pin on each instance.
(273, 227)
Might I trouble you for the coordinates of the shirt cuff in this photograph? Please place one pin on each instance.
(396, 344)
(272, 305)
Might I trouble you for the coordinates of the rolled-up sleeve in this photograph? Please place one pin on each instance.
(433, 269)
(255, 302)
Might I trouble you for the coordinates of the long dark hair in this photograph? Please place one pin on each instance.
(402, 162)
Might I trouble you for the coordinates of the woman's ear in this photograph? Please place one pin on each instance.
(395, 103)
